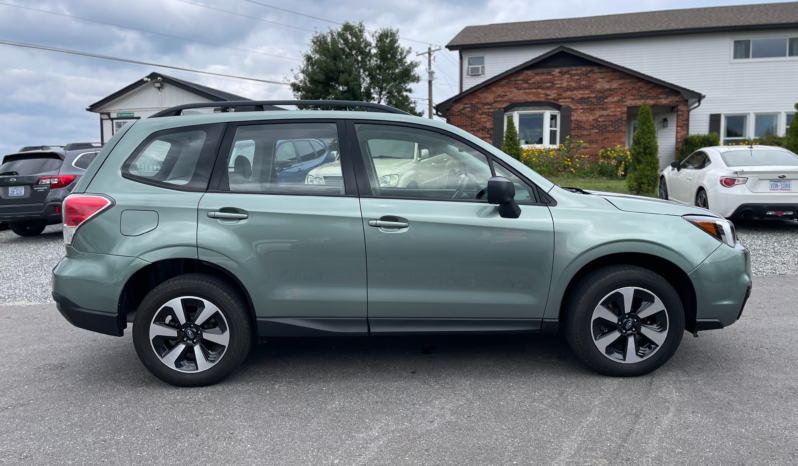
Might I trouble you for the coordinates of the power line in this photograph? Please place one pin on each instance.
(246, 16)
(451, 60)
(134, 62)
(445, 76)
(322, 19)
(145, 31)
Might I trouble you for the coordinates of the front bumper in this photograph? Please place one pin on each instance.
(722, 285)
(50, 212)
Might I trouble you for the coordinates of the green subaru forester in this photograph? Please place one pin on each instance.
(210, 230)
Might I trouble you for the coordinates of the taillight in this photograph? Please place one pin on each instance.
(80, 208)
(729, 182)
(58, 181)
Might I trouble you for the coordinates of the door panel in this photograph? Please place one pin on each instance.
(298, 256)
(456, 260)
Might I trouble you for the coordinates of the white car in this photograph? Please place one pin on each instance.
(756, 182)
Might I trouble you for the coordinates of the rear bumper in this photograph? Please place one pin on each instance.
(96, 321)
(50, 212)
(760, 211)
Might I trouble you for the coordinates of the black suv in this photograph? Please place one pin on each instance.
(35, 181)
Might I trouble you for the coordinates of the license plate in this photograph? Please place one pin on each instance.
(16, 191)
(780, 185)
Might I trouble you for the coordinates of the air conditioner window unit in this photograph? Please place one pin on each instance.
(476, 70)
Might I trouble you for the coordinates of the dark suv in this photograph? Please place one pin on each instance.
(35, 181)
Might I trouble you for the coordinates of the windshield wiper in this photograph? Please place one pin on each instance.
(9, 174)
(575, 190)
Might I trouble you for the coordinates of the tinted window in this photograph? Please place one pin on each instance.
(84, 160)
(176, 158)
(274, 166)
(696, 161)
(421, 164)
(30, 166)
(759, 158)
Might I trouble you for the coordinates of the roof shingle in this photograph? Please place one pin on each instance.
(651, 23)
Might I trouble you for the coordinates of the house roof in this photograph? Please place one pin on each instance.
(214, 95)
(568, 57)
(630, 25)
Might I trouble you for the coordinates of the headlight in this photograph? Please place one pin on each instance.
(389, 181)
(721, 229)
(314, 180)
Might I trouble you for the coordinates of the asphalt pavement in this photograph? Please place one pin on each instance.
(726, 398)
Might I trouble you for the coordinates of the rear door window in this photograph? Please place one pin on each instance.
(180, 158)
(22, 165)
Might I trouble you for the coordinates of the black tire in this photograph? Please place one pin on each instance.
(225, 297)
(27, 228)
(3, 226)
(663, 189)
(701, 199)
(587, 295)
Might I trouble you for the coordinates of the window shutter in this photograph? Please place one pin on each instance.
(498, 128)
(565, 123)
(714, 123)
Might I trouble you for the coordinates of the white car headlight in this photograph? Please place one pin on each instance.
(389, 181)
(720, 228)
(314, 180)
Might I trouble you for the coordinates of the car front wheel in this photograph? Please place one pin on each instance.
(193, 330)
(624, 320)
(663, 189)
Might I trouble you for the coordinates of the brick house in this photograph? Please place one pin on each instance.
(731, 70)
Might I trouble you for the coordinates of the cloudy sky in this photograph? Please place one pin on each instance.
(44, 94)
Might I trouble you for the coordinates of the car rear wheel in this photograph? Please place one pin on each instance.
(193, 330)
(701, 199)
(663, 189)
(27, 228)
(624, 321)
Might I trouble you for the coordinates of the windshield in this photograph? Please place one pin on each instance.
(30, 166)
(760, 158)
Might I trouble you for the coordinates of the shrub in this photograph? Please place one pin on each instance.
(511, 145)
(791, 141)
(644, 152)
(694, 142)
(566, 160)
(613, 162)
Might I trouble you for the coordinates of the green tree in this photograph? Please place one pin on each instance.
(511, 145)
(791, 143)
(644, 152)
(348, 63)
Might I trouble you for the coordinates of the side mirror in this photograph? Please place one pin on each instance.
(501, 191)
(676, 164)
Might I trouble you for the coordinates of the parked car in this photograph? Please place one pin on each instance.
(204, 262)
(34, 183)
(749, 182)
(294, 158)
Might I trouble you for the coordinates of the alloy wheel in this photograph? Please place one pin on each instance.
(663, 190)
(701, 200)
(189, 334)
(629, 325)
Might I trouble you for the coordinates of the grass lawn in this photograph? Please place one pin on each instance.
(595, 184)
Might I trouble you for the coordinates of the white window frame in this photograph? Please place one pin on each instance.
(751, 51)
(748, 128)
(547, 114)
(482, 66)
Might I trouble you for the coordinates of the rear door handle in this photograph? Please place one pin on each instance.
(386, 224)
(227, 215)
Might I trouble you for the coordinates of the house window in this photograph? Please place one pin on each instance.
(735, 128)
(790, 116)
(766, 125)
(536, 128)
(780, 47)
(476, 66)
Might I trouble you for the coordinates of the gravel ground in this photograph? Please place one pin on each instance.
(68, 396)
(25, 263)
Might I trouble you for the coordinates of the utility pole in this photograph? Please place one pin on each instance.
(430, 74)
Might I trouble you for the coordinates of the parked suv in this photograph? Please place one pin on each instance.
(35, 181)
(204, 261)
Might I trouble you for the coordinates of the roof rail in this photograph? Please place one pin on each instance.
(265, 105)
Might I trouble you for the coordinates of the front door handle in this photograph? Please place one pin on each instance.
(227, 215)
(386, 224)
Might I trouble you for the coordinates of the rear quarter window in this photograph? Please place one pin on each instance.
(180, 158)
